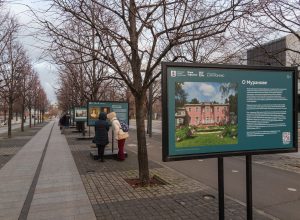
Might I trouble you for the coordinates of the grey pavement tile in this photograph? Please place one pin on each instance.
(51, 217)
(11, 217)
(113, 198)
(10, 205)
(66, 194)
(63, 211)
(59, 205)
(67, 188)
(10, 146)
(9, 212)
(17, 174)
(60, 191)
(84, 217)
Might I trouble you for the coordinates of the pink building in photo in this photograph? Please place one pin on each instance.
(207, 114)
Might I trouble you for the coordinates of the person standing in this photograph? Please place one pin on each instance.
(62, 123)
(120, 135)
(101, 135)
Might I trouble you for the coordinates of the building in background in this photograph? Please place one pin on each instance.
(284, 51)
(202, 114)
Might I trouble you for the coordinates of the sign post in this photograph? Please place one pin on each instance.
(80, 117)
(120, 108)
(221, 187)
(220, 110)
(80, 114)
(249, 186)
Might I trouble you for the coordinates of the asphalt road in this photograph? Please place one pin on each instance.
(275, 192)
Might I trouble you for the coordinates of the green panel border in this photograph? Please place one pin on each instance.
(121, 109)
(78, 119)
(170, 152)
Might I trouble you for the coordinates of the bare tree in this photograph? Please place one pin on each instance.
(11, 72)
(88, 78)
(30, 98)
(8, 28)
(138, 35)
(27, 83)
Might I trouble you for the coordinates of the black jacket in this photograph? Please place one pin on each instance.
(101, 130)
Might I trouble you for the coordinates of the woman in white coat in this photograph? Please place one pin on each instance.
(120, 135)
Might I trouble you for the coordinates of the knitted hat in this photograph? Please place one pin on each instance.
(111, 115)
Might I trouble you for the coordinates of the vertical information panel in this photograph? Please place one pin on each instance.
(120, 108)
(218, 110)
(80, 114)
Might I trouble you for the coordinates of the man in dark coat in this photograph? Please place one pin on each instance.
(101, 135)
(63, 123)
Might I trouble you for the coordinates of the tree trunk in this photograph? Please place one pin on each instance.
(22, 119)
(34, 117)
(39, 120)
(141, 138)
(10, 117)
(23, 115)
(30, 117)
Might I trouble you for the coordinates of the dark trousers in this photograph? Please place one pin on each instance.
(100, 151)
(121, 144)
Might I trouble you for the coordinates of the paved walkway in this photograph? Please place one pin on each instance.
(42, 182)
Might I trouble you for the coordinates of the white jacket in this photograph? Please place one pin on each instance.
(118, 132)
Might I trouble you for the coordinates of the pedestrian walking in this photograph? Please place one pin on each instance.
(120, 135)
(101, 135)
(63, 123)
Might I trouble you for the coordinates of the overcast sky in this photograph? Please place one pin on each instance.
(205, 91)
(47, 71)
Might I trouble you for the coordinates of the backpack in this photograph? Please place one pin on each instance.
(124, 126)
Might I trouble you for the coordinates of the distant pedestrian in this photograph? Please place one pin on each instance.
(101, 135)
(120, 135)
(63, 123)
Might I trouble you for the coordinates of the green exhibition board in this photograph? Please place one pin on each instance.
(120, 108)
(80, 114)
(215, 110)
(72, 115)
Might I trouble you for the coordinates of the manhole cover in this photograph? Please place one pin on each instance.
(209, 197)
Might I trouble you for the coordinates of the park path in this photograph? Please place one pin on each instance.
(42, 182)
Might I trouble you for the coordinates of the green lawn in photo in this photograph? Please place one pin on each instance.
(211, 136)
(205, 140)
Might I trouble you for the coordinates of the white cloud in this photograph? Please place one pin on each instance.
(206, 89)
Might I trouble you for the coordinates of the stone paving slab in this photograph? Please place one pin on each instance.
(10, 146)
(60, 193)
(17, 174)
(181, 198)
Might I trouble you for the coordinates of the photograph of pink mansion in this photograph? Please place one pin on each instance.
(206, 113)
